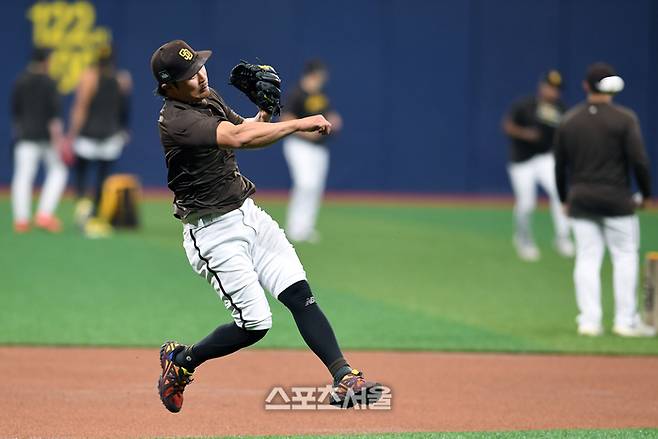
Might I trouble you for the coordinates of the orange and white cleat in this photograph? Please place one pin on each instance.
(21, 226)
(49, 223)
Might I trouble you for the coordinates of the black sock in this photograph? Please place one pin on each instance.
(314, 327)
(224, 340)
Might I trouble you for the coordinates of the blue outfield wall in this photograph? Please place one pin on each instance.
(422, 85)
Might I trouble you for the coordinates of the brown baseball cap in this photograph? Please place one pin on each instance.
(553, 78)
(177, 61)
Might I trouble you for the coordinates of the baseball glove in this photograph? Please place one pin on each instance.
(260, 83)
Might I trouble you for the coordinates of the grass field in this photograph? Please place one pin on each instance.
(404, 278)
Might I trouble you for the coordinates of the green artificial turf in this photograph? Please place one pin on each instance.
(404, 278)
(539, 434)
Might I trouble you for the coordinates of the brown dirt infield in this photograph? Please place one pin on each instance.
(103, 393)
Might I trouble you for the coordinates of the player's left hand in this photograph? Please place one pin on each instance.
(65, 150)
(263, 116)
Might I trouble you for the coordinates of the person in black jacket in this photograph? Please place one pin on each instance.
(597, 146)
(98, 131)
(37, 126)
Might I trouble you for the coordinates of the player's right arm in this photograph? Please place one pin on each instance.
(83, 95)
(259, 134)
(560, 153)
(637, 155)
(513, 127)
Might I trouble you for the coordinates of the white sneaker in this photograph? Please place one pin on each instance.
(590, 330)
(565, 248)
(639, 329)
(527, 252)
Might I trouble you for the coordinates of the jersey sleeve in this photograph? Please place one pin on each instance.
(637, 155)
(294, 103)
(54, 102)
(560, 153)
(231, 115)
(192, 128)
(518, 112)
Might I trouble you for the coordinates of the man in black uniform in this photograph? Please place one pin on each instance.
(98, 132)
(37, 126)
(597, 144)
(229, 241)
(307, 154)
(530, 125)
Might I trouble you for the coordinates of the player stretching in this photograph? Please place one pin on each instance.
(229, 240)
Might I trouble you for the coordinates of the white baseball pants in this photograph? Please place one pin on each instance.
(241, 254)
(622, 236)
(100, 149)
(27, 156)
(308, 164)
(525, 177)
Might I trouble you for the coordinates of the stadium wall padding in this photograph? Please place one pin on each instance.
(422, 85)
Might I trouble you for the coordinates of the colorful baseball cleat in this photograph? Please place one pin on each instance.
(353, 389)
(173, 379)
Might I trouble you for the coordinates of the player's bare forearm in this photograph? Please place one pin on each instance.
(56, 130)
(260, 134)
(311, 137)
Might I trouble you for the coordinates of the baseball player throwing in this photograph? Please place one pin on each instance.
(530, 125)
(237, 247)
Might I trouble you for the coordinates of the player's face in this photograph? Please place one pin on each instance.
(193, 89)
(317, 80)
(549, 93)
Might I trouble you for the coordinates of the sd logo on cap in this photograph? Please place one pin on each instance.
(177, 61)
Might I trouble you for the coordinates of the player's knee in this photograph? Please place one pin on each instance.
(258, 324)
(297, 296)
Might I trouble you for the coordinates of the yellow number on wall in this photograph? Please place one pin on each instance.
(69, 30)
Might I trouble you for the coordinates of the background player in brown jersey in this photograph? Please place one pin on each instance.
(237, 247)
(307, 154)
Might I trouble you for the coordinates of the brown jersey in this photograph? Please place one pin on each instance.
(203, 177)
(597, 146)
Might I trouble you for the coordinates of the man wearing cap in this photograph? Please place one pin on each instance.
(238, 248)
(596, 146)
(530, 125)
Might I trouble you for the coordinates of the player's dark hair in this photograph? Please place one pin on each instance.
(159, 90)
(314, 65)
(40, 54)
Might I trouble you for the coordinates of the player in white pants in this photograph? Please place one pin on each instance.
(307, 154)
(596, 145)
(27, 156)
(530, 125)
(238, 248)
(38, 129)
(525, 177)
(309, 164)
(621, 235)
